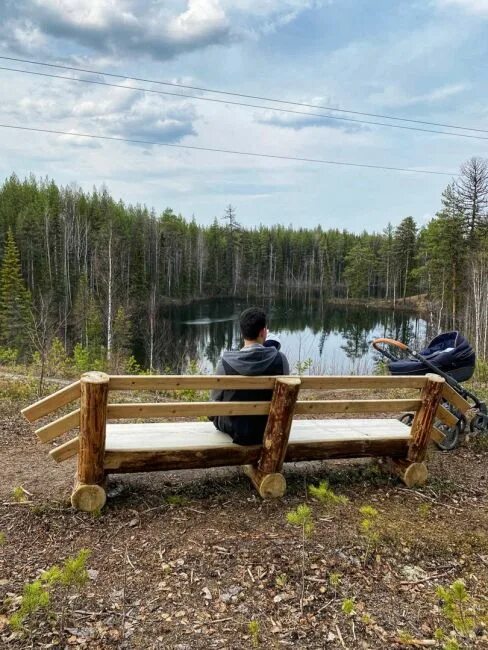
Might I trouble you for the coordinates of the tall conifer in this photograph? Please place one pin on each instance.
(14, 298)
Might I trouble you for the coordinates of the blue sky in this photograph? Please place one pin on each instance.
(420, 59)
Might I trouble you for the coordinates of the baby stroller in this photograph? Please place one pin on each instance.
(451, 356)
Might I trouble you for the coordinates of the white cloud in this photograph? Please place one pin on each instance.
(479, 7)
(160, 30)
(395, 97)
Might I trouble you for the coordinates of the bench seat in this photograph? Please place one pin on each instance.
(186, 445)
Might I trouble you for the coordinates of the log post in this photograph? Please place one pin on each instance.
(89, 494)
(266, 476)
(413, 470)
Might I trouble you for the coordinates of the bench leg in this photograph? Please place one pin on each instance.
(269, 486)
(267, 477)
(88, 498)
(412, 474)
(89, 493)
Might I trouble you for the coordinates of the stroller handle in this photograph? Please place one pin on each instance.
(393, 342)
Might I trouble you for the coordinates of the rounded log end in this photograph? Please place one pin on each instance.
(94, 377)
(272, 486)
(88, 498)
(415, 474)
(289, 381)
(436, 378)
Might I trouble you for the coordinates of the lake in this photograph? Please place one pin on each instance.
(329, 339)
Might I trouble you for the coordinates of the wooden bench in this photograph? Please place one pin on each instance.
(107, 447)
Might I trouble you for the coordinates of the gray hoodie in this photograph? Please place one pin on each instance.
(251, 361)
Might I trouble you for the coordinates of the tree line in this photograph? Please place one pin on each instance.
(99, 274)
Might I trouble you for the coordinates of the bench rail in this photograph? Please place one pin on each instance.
(265, 470)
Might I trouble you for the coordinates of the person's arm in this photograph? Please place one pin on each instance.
(286, 365)
(218, 395)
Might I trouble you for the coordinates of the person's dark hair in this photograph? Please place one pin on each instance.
(252, 321)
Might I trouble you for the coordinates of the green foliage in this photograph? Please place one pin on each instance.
(451, 644)
(3, 538)
(324, 493)
(8, 356)
(15, 300)
(405, 637)
(369, 528)
(176, 500)
(424, 509)
(38, 594)
(335, 579)
(458, 607)
(18, 494)
(301, 367)
(35, 596)
(254, 628)
(281, 580)
(347, 607)
(301, 516)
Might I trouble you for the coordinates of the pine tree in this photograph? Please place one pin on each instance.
(14, 298)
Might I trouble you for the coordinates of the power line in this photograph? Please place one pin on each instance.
(233, 103)
(235, 94)
(229, 151)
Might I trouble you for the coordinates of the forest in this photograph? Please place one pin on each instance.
(95, 277)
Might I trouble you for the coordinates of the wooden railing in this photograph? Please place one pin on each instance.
(173, 383)
(94, 410)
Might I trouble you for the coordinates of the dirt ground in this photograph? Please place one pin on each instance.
(189, 560)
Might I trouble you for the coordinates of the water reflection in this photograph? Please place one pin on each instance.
(335, 339)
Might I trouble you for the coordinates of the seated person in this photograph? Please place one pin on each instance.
(254, 359)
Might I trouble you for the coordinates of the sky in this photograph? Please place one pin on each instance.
(422, 60)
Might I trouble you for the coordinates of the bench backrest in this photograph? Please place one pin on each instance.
(186, 409)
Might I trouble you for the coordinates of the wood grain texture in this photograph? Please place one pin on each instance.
(58, 427)
(446, 416)
(269, 486)
(207, 382)
(278, 426)
(66, 450)
(424, 418)
(412, 474)
(162, 446)
(52, 402)
(185, 409)
(455, 399)
(88, 498)
(356, 406)
(93, 420)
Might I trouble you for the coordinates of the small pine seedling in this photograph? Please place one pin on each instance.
(3, 539)
(253, 629)
(34, 597)
(37, 594)
(348, 606)
(368, 527)
(451, 644)
(18, 494)
(176, 500)
(457, 607)
(281, 580)
(324, 493)
(335, 581)
(301, 516)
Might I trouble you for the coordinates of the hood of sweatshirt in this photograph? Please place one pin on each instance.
(250, 361)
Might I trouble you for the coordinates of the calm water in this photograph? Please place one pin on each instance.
(335, 340)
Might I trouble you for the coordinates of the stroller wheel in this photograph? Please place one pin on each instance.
(407, 418)
(479, 424)
(451, 435)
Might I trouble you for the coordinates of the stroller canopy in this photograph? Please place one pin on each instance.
(450, 352)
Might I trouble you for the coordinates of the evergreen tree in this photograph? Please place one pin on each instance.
(14, 298)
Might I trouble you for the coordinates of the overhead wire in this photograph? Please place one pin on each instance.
(234, 103)
(243, 95)
(227, 151)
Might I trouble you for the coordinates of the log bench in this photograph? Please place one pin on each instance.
(106, 446)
